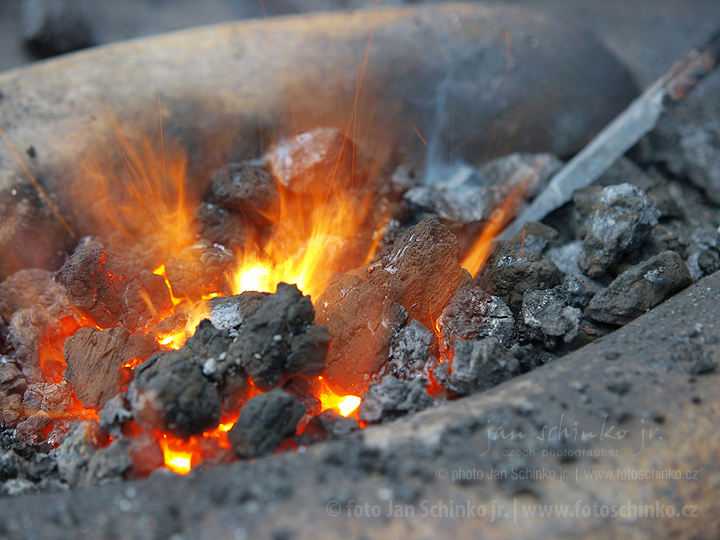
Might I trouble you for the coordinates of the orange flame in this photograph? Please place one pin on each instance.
(310, 243)
(344, 405)
(179, 455)
(501, 216)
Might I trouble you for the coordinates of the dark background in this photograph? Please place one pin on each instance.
(647, 35)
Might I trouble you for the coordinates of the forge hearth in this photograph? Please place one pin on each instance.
(263, 277)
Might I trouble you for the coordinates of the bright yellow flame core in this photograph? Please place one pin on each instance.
(348, 405)
(177, 459)
(315, 235)
(345, 405)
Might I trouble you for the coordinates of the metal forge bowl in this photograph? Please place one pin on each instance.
(515, 81)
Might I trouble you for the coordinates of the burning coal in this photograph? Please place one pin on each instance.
(174, 329)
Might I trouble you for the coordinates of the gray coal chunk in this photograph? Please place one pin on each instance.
(579, 290)
(109, 464)
(520, 265)
(308, 352)
(231, 311)
(25, 468)
(95, 359)
(115, 414)
(566, 257)
(337, 425)
(264, 422)
(52, 27)
(245, 187)
(110, 290)
(513, 170)
(199, 270)
(474, 314)
(74, 454)
(221, 226)
(207, 342)
(317, 161)
(393, 398)
(547, 315)
(464, 195)
(275, 341)
(693, 151)
(171, 393)
(409, 351)
(209, 348)
(622, 219)
(639, 289)
(476, 366)
(702, 255)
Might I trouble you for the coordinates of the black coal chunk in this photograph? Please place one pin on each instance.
(246, 188)
(639, 289)
(264, 422)
(393, 398)
(278, 339)
(200, 269)
(171, 393)
(110, 290)
(95, 358)
(476, 366)
(519, 265)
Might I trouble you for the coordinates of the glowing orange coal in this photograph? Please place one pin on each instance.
(144, 208)
(344, 405)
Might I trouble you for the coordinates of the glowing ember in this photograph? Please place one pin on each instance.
(501, 216)
(178, 456)
(345, 405)
(327, 228)
(348, 405)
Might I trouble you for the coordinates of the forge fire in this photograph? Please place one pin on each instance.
(253, 320)
(307, 293)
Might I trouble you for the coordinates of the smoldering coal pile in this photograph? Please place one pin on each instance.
(113, 367)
